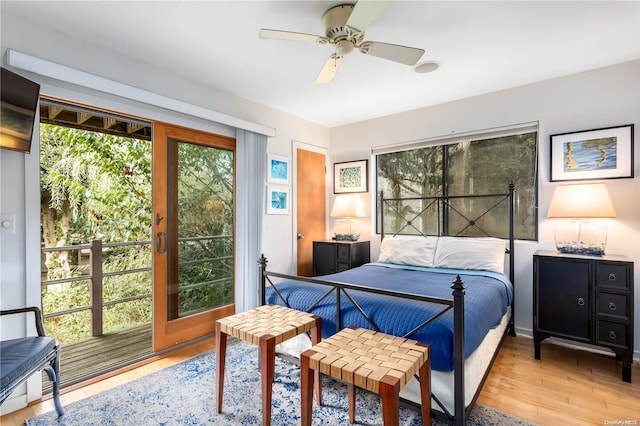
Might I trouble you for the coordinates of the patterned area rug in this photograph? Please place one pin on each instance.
(184, 394)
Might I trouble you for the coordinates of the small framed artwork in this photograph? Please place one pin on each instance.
(350, 177)
(592, 154)
(278, 170)
(278, 199)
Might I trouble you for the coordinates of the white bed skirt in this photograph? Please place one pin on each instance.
(441, 382)
(474, 368)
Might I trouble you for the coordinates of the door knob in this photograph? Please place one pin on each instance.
(301, 236)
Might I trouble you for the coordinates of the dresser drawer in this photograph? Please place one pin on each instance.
(613, 334)
(612, 275)
(613, 304)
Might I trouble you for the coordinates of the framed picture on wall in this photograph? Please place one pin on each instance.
(278, 199)
(605, 153)
(350, 177)
(278, 169)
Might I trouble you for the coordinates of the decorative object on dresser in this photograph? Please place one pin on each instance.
(580, 203)
(592, 154)
(335, 256)
(346, 208)
(584, 299)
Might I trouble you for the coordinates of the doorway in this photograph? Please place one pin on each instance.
(95, 217)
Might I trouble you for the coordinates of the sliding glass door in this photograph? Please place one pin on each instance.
(193, 178)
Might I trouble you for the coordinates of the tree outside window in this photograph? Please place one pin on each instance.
(480, 166)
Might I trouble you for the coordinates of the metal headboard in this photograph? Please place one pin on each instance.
(449, 214)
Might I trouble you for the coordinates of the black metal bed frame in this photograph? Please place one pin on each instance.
(342, 289)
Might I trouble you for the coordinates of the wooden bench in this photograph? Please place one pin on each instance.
(371, 360)
(265, 326)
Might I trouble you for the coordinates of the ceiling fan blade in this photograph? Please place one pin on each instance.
(393, 52)
(288, 35)
(329, 70)
(365, 12)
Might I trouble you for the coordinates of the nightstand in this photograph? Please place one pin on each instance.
(585, 299)
(335, 256)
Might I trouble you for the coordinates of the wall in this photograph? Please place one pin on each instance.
(601, 98)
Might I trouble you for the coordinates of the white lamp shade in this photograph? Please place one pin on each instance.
(347, 205)
(581, 201)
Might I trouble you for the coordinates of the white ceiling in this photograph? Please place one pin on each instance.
(481, 47)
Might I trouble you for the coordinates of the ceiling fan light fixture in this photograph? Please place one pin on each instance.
(426, 67)
(344, 47)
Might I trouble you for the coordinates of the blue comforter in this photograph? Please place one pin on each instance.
(487, 298)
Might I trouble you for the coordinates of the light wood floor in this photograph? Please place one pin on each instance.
(567, 386)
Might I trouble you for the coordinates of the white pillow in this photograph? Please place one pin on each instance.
(470, 253)
(408, 250)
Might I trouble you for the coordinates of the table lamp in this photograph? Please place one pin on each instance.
(580, 203)
(345, 209)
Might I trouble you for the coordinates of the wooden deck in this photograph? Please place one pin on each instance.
(97, 355)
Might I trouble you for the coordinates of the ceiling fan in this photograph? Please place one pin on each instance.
(345, 27)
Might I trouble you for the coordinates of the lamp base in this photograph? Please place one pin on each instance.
(581, 238)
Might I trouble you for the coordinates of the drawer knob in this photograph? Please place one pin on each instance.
(580, 301)
(612, 335)
(612, 277)
(612, 306)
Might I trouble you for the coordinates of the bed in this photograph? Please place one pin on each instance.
(440, 278)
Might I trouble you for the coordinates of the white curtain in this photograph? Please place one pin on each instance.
(251, 159)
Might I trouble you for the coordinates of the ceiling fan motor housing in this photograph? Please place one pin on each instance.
(345, 38)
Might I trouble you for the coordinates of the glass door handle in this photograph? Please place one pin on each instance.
(161, 237)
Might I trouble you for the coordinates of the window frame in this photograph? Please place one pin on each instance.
(443, 142)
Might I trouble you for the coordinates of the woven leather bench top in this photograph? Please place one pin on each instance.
(364, 357)
(270, 320)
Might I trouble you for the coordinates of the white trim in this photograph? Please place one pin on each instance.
(70, 75)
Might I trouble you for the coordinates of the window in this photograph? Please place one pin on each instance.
(480, 164)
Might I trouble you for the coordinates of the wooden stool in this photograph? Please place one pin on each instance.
(370, 360)
(265, 326)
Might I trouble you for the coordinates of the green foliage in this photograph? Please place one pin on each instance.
(105, 178)
(69, 328)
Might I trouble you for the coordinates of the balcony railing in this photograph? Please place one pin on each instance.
(96, 279)
(97, 275)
